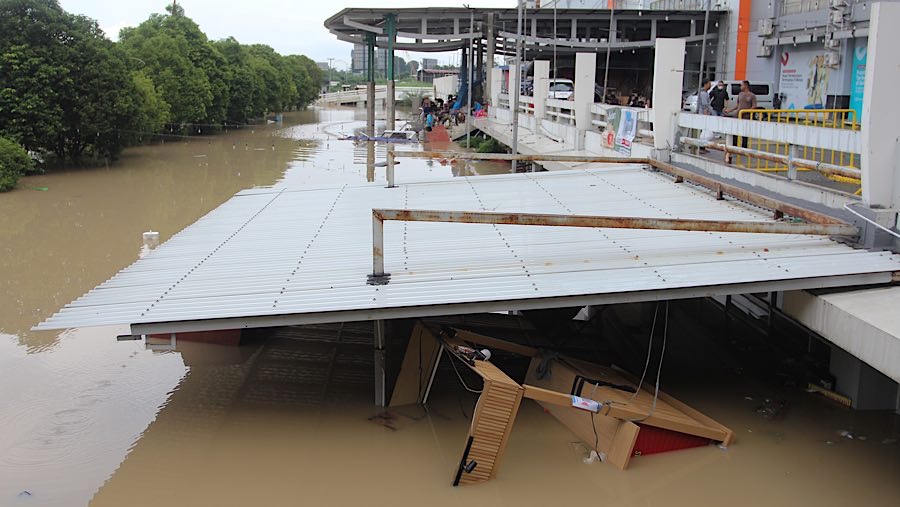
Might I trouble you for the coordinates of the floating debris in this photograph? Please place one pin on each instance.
(772, 408)
(386, 419)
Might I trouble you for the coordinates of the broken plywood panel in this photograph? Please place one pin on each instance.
(613, 431)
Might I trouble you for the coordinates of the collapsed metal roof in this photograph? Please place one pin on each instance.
(279, 256)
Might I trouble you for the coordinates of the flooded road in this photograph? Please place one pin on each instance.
(287, 420)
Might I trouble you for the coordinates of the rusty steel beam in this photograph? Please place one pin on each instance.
(722, 188)
(465, 155)
(822, 167)
(379, 216)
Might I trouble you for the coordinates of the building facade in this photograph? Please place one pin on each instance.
(359, 60)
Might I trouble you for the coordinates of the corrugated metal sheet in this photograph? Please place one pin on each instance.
(298, 253)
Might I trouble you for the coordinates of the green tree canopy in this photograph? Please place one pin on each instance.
(64, 87)
(67, 89)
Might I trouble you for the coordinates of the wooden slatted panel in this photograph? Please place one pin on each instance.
(492, 422)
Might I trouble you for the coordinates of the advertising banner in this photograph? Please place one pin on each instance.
(858, 78)
(621, 129)
(804, 79)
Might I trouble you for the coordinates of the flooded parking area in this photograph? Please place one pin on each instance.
(288, 417)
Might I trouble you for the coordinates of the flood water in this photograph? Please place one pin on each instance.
(85, 419)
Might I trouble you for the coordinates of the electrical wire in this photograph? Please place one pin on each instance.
(876, 224)
(649, 352)
(662, 355)
(463, 382)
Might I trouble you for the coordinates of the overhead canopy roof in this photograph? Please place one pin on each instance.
(278, 256)
(437, 29)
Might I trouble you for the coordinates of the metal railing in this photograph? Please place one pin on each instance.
(379, 216)
(644, 116)
(560, 111)
(827, 118)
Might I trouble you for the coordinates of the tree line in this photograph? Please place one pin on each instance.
(68, 94)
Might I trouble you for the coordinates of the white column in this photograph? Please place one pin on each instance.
(585, 79)
(496, 78)
(668, 71)
(514, 83)
(541, 91)
(880, 146)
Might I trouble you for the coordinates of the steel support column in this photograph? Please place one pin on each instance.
(380, 343)
(370, 102)
(390, 22)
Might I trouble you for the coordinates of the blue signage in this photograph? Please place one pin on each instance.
(858, 78)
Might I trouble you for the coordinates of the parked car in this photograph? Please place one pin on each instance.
(765, 95)
(562, 89)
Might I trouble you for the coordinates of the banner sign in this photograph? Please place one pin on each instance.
(804, 79)
(621, 129)
(858, 78)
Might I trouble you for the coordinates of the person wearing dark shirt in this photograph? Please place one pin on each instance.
(718, 96)
(746, 100)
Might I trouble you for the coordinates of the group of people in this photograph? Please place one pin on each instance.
(439, 112)
(636, 99)
(714, 100)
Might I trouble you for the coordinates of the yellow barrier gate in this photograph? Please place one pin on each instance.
(827, 118)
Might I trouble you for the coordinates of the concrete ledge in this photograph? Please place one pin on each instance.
(865, 323)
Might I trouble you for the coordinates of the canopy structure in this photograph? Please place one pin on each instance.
(437, 29)
(283, 256)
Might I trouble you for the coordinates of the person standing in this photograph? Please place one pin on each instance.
(745, 100)
(718, 96)
(703, 104)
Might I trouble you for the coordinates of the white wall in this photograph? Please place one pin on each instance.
(443, 86)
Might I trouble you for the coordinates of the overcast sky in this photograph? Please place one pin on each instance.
(291, 27)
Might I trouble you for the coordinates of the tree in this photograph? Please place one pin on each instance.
(162, 50)
(64, 87)
(14, 163)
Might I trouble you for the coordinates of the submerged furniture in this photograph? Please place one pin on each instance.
(601, 405)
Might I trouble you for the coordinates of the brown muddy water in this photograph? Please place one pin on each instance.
(85, 419)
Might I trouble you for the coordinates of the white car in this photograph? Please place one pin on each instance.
(562, 89)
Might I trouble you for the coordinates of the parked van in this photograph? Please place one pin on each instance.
(562, 89)
(765, 95)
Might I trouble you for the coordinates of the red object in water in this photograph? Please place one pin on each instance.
(653, 440)
(438, 134)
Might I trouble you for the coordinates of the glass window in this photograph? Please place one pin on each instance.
(759, 89)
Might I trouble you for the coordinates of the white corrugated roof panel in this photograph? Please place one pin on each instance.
(295, 255)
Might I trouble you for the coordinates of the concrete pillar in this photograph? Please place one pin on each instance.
(495, 84)
(541, 91)
(867, 388)
(880, 135)
(585, 80)
(514, 82)
(668, 71)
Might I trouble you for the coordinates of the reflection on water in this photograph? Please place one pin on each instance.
(73, 403)
(288, 418)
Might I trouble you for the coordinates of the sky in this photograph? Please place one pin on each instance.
(291, 27)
